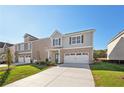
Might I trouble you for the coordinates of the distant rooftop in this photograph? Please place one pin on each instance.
(26, 34)
(3, 43)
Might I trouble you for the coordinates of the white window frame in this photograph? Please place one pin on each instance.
(29, 46)
(56, 41)
(21, 47)
(74, 42)
(79, 38)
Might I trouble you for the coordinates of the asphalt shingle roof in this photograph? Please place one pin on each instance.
(2, 44)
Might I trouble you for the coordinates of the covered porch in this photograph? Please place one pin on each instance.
(54, 55)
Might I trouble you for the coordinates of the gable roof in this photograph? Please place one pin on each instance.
(56, 31)
(26, 35)
(3, 43)
(116, 36)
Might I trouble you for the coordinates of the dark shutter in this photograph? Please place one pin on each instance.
(82, 38)
(70, 40)
(53, 42)
(59, 41)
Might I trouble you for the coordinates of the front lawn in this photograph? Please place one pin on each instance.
(19, 72)
(108, 74)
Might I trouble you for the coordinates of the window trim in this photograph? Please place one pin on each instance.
(22, 47)
(76, 39)
(29, 45)
(59, 42)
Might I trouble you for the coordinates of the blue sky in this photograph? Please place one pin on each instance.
(41, 21)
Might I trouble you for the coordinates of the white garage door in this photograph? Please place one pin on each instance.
(21, 59)
(24, 59)
(27, 59)
(76, 58)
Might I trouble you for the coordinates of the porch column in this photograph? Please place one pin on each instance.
(59, 56)
(48, 54)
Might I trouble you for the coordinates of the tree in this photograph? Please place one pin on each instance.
(16, 56)
(8, 57)
(100, 53)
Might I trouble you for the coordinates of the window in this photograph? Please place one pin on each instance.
(21, 47)
(85, 53)
(79, 39)
(76, 40)
(72, 53)
(56, 42)
(78, 53)
(67, 54)
(29, 46)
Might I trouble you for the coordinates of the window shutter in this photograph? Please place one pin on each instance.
(70, 40)
(53, 42)
(59, 41)
(82, 38)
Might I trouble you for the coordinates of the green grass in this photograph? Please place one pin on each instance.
(19, 72)
(108, 74)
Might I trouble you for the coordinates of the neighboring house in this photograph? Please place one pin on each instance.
(3, 48)
(22, 52)
(116, 47)
(76, 47)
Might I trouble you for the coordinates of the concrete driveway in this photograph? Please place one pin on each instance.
(65, 75)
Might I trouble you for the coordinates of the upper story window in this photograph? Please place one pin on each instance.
(21, 47)
(79, 39)
(17, 48)
(56, 42)
(76, 39)
(29, 46)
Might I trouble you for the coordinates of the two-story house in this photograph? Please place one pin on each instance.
(76, 47)
(23, 51)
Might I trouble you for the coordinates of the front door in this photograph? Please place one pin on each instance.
(56, 57)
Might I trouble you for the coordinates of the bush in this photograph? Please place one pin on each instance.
(47, 59)
(49, 63)
(40, 62)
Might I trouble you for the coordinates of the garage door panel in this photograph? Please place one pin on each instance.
(24, 59)
(27, 59)
(21, 59)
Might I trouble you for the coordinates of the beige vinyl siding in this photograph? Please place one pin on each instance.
(39, 49)
(114, 47)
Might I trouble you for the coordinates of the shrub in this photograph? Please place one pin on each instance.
(47, 59)
(50, 63)
(40, 62)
